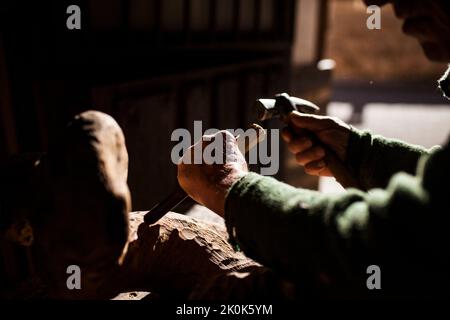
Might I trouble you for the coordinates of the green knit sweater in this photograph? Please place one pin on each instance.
(325, 242)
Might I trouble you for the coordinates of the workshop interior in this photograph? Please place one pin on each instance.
(147, 68)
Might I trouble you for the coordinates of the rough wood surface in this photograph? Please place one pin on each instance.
(133, 295)
(182, 257)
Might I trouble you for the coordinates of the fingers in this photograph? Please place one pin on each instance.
(217, 148)
(316, 168)
(306, 154)
(311, 155)
(299, 142)
(286, 134)
(299, 145)
(299, 122)
(224, 135)
(227, 136)
(223, 138)
(296, 143)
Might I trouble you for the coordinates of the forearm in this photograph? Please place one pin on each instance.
(309, 237)
(291, 230)
(375, 159)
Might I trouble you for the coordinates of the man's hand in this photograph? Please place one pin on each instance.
(302, 134)
(208, 184)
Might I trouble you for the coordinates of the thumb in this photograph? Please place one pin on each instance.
(308, 122)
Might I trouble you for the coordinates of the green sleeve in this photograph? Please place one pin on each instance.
(375, 159)
(315, 238)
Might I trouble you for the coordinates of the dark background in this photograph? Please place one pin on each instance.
(154, 65)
